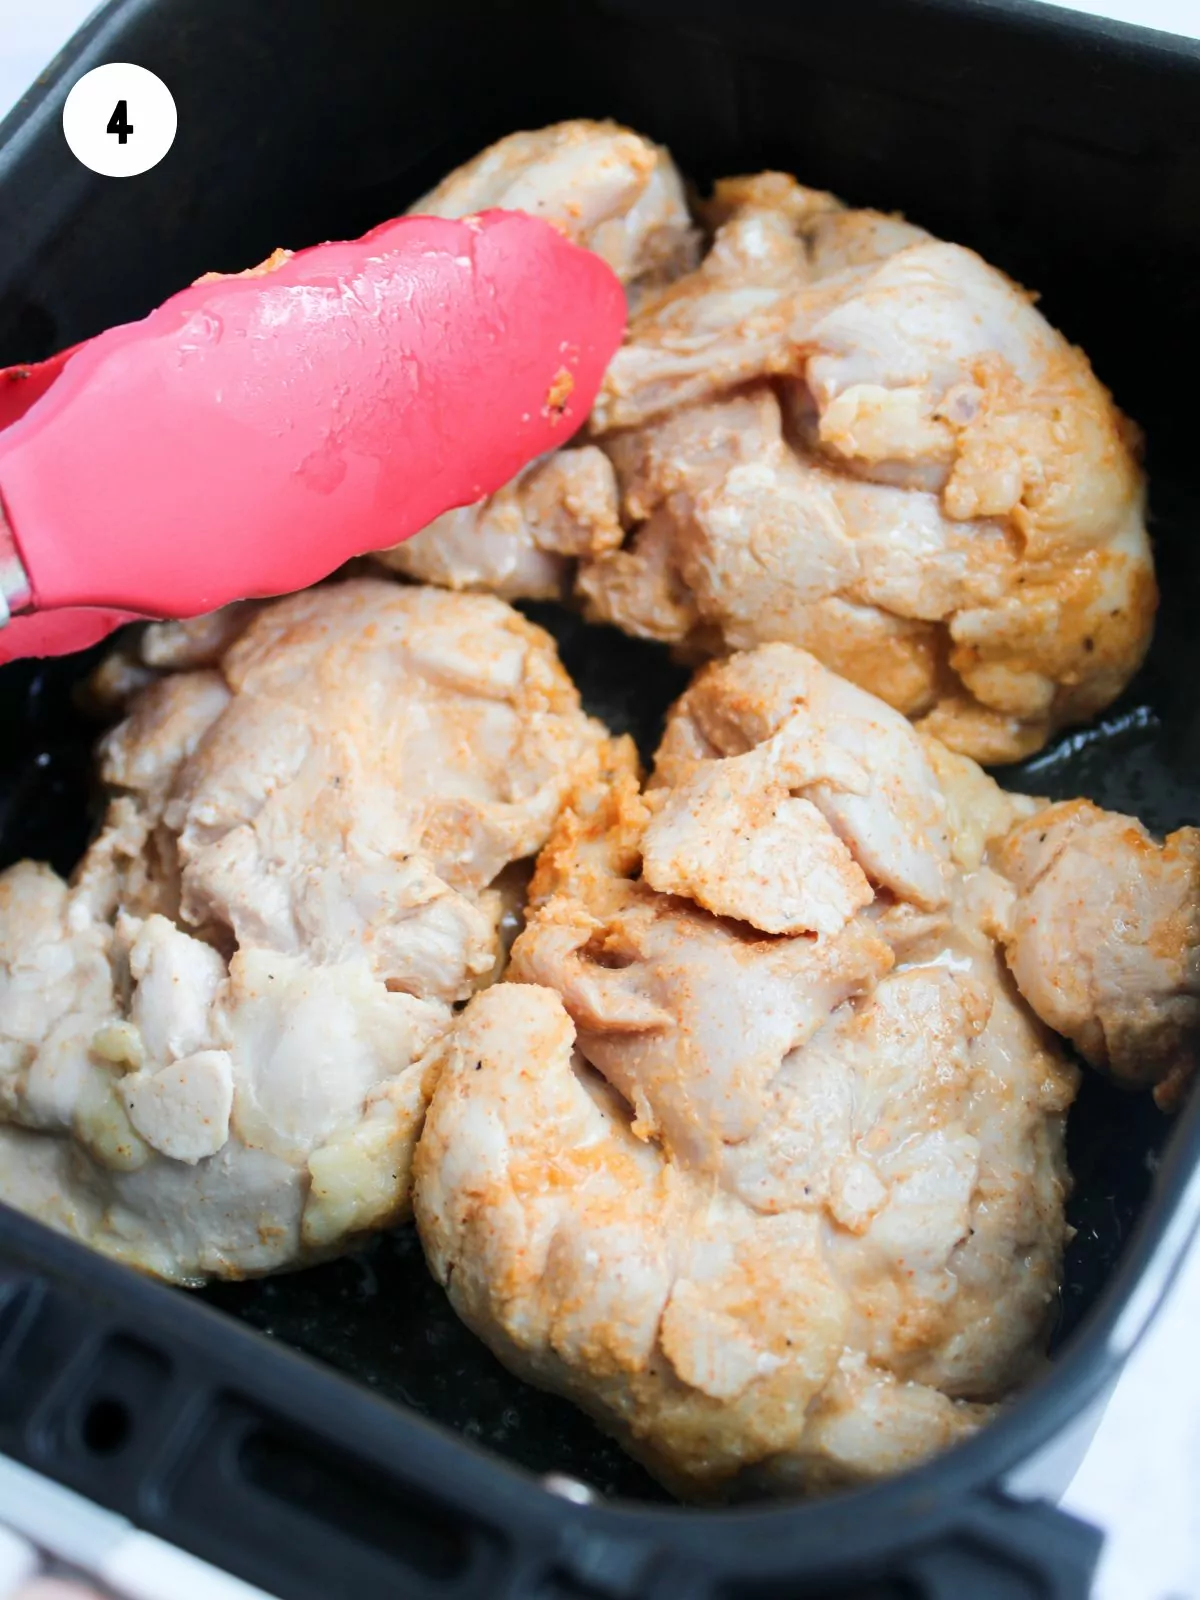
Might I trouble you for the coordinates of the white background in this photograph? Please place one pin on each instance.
(1141, 1477)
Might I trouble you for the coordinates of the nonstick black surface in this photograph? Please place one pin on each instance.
(378, 1316)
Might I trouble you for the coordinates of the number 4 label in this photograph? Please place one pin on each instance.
(119, 122)
(119, 119)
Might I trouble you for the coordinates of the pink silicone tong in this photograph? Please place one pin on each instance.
(256, 431)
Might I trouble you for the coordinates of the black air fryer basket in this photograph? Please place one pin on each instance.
(392, 1455)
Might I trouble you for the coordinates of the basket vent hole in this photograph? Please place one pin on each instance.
(107, 1426)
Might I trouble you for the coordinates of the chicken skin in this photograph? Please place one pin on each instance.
(213, 1040)
(757, 1152)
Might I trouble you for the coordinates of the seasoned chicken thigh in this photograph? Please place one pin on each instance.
(759, 1143)
(838, 432)
(842, 433)
(757, 1154)
(213, 1041)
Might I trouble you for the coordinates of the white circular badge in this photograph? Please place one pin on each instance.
(120, 120)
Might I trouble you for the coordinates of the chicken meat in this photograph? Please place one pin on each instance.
(1104, 940)
(842, 433)
(757, 1152)
(620, 195)
(522, 542)
(213, 1040)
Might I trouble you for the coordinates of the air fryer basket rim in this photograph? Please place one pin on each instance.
(90, 1300)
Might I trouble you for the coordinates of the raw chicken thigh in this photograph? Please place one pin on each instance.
(620, 195)
(757, 1153)
(853, 437)
(213, 1040)
(838, 432)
